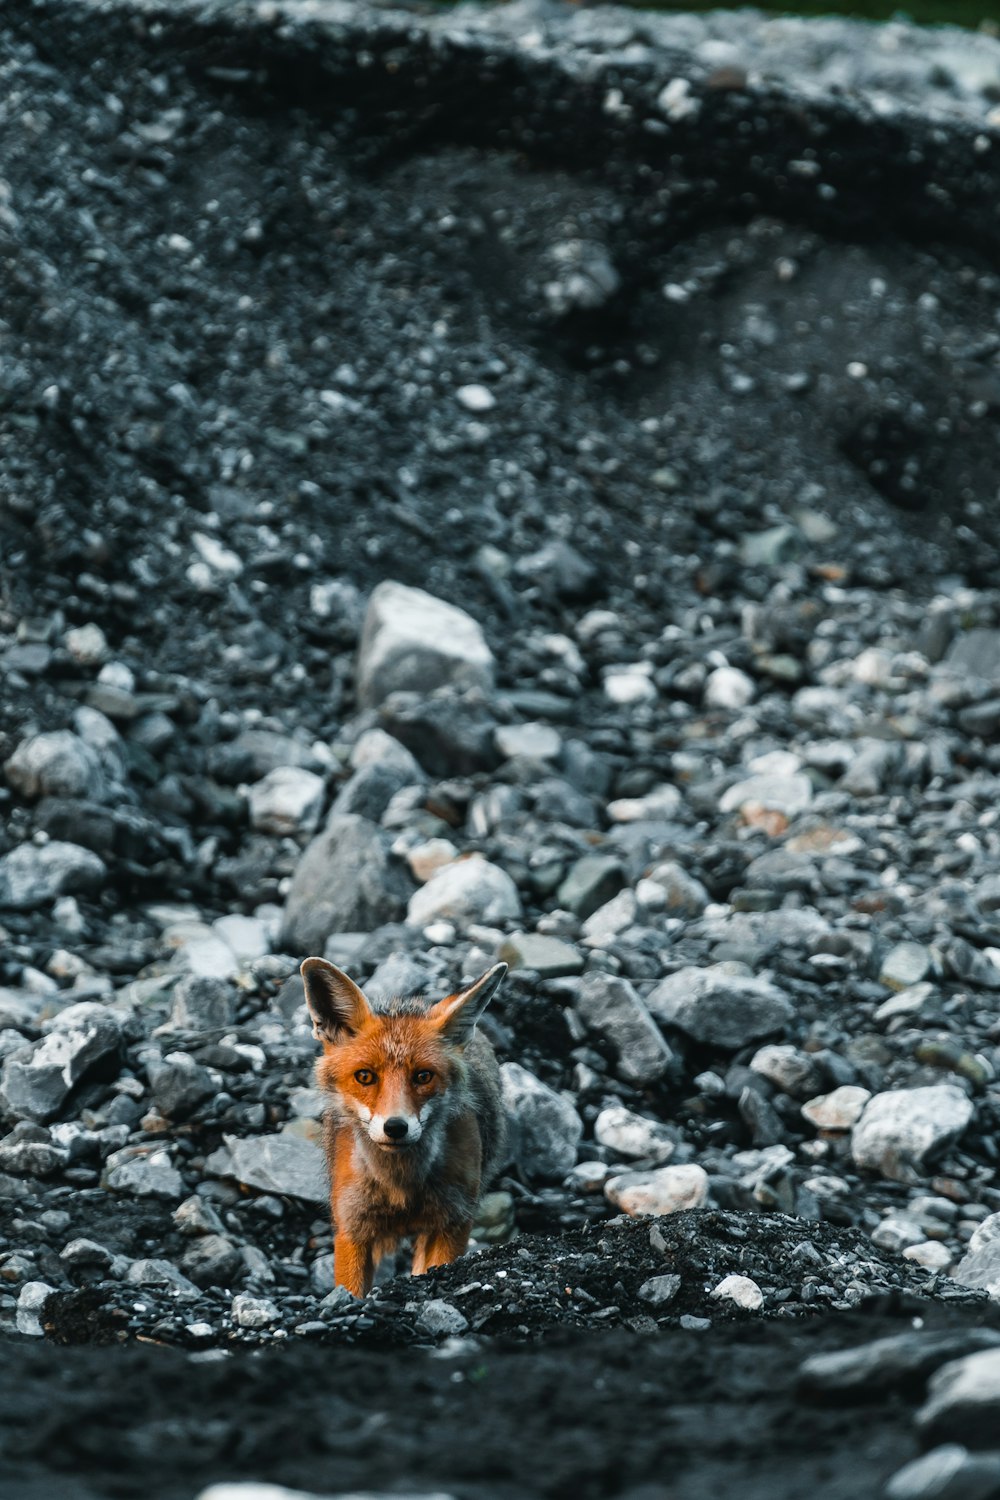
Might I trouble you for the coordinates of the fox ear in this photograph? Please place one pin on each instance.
(456, 1015)
(336, 1005)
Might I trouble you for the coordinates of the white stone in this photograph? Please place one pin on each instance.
(427, 858)
(789, 795)
(87, 645)
(537, 741)
(626, 685)
(728, 687)
(899, 1129)
(254, 1312)
(839, 1110)
(246, 936)
(629, 1134)
(544, 1126)
(468, 890)
(476, 398)
(740, 1290)
(30, 1306)
(412, 640)
(929, 1253)
(287, 801)
(662, 803)
(608, 920)
(215, 556)
(666, 1190)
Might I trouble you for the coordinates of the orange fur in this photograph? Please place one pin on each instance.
(415, 1122)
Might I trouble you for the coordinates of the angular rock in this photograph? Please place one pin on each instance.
(201, 1004)
(34, 874)
(468, 890)
(900, 1129)
(60, 764)
(254, 1312)
(345, 881)
(145, 1172)
(720, 1008)
(611, 1007)
(441, 1319)
(544, 1128)
(666, 1190)
(741, 1291)
(283, 1164)
(660, 1291)
(286, 802)
(35, 1083)
(840, 1110)
(31, 1308)
(591, 882)
(980, 1266)
(413, 641)
(632, 1135)
(213, 1260)
(179, 1084)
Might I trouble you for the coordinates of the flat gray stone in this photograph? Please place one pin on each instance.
(547, 956)
(285, 1164)
(591, 882)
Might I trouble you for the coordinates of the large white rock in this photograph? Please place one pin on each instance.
(467, 890)
(412, 641)
(667, 1190)
(899, 1129)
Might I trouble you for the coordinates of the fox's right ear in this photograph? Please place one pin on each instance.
(337, 1007)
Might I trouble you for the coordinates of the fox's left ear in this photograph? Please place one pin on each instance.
(456, 1015)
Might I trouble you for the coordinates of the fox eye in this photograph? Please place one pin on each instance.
(365, 1076)
(423, 1076)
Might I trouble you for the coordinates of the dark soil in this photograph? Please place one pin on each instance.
(617, 1414)
(213, 223)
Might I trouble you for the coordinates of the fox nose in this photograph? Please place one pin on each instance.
(396, 1128)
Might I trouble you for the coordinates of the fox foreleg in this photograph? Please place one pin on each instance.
(353, 1265)
(441, 1247)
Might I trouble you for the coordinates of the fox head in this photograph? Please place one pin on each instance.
(389, 1064)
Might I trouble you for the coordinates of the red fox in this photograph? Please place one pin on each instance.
(415, 1125)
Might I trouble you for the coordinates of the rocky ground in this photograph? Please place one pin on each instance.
(501, 484)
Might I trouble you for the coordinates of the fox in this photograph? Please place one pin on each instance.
(415, 1123)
